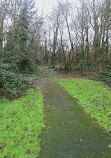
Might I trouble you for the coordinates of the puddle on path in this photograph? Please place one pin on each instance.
(69, 132)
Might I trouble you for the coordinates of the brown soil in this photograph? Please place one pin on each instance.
(65, 74)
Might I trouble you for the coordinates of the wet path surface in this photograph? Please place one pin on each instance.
(69, 132)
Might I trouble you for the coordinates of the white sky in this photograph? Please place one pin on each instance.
(47, 5)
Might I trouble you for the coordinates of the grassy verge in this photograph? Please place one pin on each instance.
(21, 121)
(94, 96)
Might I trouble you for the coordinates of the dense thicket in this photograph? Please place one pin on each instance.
(19, 37)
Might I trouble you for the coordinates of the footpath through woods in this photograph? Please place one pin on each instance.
(69, 132)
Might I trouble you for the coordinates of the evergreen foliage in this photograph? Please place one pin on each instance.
(15, 53)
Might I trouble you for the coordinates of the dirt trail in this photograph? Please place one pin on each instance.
(69, 132)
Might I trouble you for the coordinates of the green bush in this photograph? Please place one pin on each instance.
(103, 76)
(11, 83)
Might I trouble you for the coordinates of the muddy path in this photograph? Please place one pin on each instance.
(69, 132)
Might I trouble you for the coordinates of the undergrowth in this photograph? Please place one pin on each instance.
(14, 85)
(21, 121)
(94, 96)
(103, 76)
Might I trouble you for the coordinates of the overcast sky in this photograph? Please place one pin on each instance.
(47, 5)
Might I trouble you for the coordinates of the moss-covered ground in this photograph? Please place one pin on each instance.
(21, 121)
(69, 132)
(94, 96)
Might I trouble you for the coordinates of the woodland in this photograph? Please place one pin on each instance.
(72, 40)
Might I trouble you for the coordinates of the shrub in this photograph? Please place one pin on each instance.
(103, 76)
(11, 83)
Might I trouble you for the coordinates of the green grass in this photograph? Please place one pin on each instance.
(40, 72)
(21, 121)
(44, 71)
(94, 96)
